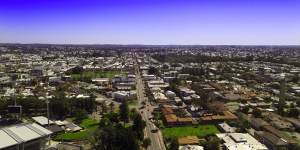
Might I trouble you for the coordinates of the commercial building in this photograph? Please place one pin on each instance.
(240, 141)
(24, 137)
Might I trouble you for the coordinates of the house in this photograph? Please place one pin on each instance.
(295, 122)
(71, 127)
(271, 141)
(171, 119)
(41, 120)
(160, 97)
(103, 82)
(157, 84)
(226, 128)
(124, 95)
(222, 116)
(55, 129)
(148, 77)
(37, 71)
(184, 92)
(258, 123)
(23, 136)
(240, 141)
(188, 140)
(278, 133)
(5, 80)
(170, 94)
(191, 147)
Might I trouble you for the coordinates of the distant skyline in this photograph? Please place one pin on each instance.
(151, 22)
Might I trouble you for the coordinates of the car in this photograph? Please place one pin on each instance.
(153, 128)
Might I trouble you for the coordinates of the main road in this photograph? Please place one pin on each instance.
(156, 138)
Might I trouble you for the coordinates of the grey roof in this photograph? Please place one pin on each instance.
(21, 133)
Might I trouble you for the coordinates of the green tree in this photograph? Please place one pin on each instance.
(139, 126)
(293, 112)
(153, 70)
(115, 138)
(112, 106)
(146, 143)
(80, 115)
(103, 108)
(257, 113)
(280, 107)
(124, 112)
(174, 145)
(213, 143)
(245, 109)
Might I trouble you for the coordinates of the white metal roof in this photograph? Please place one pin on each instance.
(24, 132)
(40, 130)
(42, 120)
(240, 141)
(6, 140)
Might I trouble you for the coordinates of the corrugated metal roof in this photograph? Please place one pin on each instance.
(6, 140)
(21, 133)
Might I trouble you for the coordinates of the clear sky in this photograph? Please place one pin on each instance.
(248, 22)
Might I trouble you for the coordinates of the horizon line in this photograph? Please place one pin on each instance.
(1, 43)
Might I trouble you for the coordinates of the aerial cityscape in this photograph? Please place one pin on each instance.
(150, 75)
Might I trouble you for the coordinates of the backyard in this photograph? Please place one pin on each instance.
(200, 131)
(89, 126)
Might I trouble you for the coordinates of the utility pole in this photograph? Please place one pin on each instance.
(48, 113)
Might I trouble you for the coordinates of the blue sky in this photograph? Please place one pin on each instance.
(247, 22)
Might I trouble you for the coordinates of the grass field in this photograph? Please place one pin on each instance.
(89, 126)
(200, 131)
(96, 74)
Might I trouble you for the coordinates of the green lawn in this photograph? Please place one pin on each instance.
(89, 126)
(201, 131)
(132, 104)
(95, 74)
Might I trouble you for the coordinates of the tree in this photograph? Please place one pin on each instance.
(115, 138)
(293, 112)
(298, 102)
(146, 143)
(76, 70)
(80, 115)
(295, 147)
(245, 109)
(256, 113)
(213, 143)
(124, 112)
(113, 117)
(153, 70)
(111, 106)
(60, 107)
(139, 126)
(280, 107)
(296, 78)
(174, 145)
(103, 108)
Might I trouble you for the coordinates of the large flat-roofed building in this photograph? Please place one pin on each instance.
(240, 141)
(24, 137)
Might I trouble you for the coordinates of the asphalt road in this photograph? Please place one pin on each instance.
(155, 137)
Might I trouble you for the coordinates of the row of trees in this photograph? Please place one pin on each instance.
(115, 133)
(61, 106)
